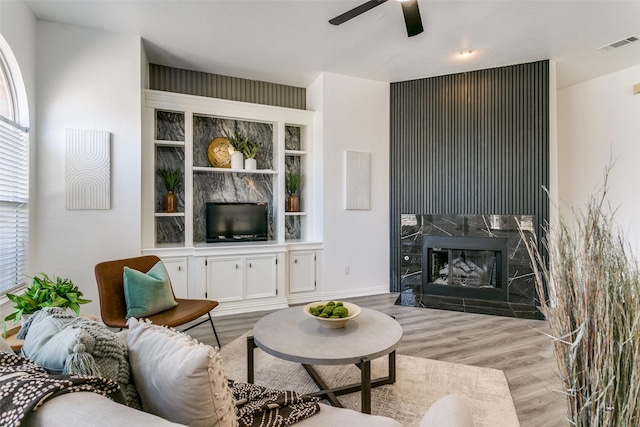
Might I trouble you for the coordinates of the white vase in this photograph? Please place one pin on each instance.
(250, 164)
(24, 318)
(237, 160)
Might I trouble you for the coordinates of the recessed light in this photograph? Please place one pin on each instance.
(466, 53)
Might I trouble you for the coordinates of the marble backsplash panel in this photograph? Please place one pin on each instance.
(292, 139)
(170, 229)
(169, 126)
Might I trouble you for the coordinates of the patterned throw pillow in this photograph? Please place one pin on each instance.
(147, 293)
(178, 378)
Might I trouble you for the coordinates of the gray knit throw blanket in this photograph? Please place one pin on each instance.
(98, 351)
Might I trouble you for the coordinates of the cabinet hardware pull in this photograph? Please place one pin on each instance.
(179, 268)
(249, 265)
(236, 266)
(295, 261)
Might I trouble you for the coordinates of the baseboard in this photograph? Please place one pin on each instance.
(362, 292)
(247, 306)
(304, 298)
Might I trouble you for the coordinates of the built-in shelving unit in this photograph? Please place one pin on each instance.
(243, 276)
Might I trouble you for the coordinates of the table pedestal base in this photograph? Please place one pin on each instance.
(365, 385)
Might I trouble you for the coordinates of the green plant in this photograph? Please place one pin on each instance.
(238, 140)
(250, 149)
(294, 181)
(45, 292)
(590, 296)
(170, 177)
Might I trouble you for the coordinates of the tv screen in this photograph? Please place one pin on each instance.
(236, 222)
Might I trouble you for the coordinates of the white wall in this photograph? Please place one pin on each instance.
(87, 80)
(353, 116)
(599, 120)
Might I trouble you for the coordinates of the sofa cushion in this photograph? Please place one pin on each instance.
(147, 293)
(448, 411)
(89, 409)
(178, 378)
(341, 417)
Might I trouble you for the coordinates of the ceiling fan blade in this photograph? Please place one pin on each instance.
(412, 18)
(355, 12)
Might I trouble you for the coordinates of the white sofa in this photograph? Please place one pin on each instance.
(83, 409)
(89, 409)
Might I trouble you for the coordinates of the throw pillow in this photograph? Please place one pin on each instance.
(178, 378)
(148, 293)
(63, 343)
(50, 343)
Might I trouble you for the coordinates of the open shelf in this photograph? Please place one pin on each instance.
(169, 143)
(295, 213)
(227, 170)
(163, 214)
(294, 153)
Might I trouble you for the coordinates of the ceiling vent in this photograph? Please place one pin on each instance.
(620, 43)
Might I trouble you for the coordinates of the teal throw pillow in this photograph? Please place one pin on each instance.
(49, 343)
(148, 293)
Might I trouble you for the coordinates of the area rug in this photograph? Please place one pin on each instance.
(420, 382)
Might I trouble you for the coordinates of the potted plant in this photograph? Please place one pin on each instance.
(293, 184)
(45, 292)
(590, 296)
(171, 178)
(238, 140)
(250, 150)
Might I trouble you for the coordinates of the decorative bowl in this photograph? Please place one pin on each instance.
(354, 311)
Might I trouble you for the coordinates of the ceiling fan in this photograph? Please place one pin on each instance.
(412, 18)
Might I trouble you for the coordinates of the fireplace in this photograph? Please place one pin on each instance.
(473, 267)
(472, 263)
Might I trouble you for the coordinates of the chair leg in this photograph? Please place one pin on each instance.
(212, 326)
(214, 329)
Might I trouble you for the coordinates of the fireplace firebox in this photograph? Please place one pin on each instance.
(468, 267)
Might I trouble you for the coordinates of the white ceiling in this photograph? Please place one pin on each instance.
(291, 42)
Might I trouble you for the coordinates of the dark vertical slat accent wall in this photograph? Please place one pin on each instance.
(470, 143)
(189, 82)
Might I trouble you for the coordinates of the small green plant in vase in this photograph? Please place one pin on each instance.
(250, 150)
(171, 178)
(46, 292)
(239, 141)
(293, 184)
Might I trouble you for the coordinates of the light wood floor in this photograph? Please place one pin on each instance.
(516, 346)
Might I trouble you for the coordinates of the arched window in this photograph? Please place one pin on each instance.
(14, 182)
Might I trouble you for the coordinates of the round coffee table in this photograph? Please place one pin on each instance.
(292, 335)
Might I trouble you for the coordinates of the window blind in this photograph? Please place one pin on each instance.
(14, 204)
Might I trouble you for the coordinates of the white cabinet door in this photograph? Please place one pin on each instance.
(224, 278)
(260, 276)
(179, 275)
(302, 271)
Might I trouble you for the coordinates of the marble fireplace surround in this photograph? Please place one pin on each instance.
(519, 298)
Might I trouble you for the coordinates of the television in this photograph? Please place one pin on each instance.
(236, 222)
